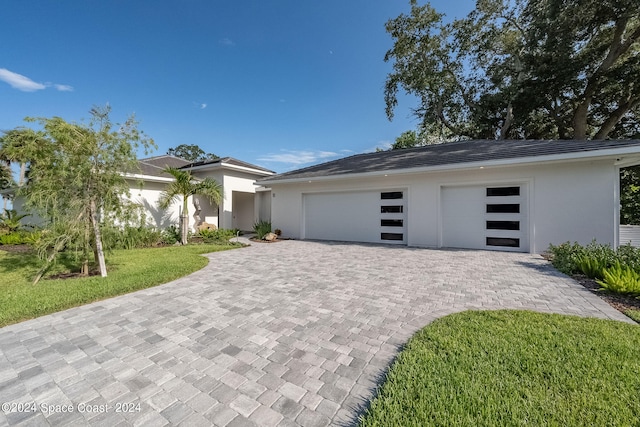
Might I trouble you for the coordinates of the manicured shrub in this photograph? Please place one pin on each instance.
(170, 235)
(629, 255)
(129, 237)
(592, 258)
(565, 256)
(620, 279)
(615, 270)
(20, 237)
(262, 228)
(219, 235)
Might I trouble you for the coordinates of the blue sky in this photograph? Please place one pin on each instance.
(282, 84)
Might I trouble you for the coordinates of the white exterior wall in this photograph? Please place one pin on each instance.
(231, 181)
(147, 197)
(568, 201)
(263, 205)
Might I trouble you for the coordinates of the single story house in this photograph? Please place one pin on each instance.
(241, 203)
(240, 207)
(479, 194)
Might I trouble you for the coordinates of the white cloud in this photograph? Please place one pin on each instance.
(20, 82)
(226, 42)
(203, 106)
(298, 157)
(63, 88)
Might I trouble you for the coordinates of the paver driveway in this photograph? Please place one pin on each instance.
(292, 333)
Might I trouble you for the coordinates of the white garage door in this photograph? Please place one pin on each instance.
(485, 217)
(365, 216)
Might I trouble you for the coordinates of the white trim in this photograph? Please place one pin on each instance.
(223, 165)
(151, 178)
(555, 158)
(616, 208)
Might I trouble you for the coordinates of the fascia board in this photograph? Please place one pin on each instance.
(223, 165)
(151, 178)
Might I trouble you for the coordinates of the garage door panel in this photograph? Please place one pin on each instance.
(485, 217)
(355, 216)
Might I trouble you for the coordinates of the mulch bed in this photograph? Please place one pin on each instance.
(255, 239)
(617, 301)
(18, 249)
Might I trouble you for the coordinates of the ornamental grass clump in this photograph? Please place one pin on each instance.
(262, 228)
(615, 270)
(620, 279)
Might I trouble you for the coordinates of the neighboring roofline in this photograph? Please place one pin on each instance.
(221, 163)
(161, 156)
(552, 158)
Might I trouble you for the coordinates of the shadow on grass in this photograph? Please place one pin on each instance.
(29, 262)
(12, 261)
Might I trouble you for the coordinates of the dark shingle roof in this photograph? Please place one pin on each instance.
(154, 166)
(166, 161)
(228, 160)
(451, 153)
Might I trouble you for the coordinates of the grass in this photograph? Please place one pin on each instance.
(481, 368)
(633, 314)
(128, 271)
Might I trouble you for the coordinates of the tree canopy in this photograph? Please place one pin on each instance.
(534, 69)
(192, 153)
(75, 175)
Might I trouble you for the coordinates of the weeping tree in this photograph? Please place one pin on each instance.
(183, 186)
(6, 177)
(75, 177)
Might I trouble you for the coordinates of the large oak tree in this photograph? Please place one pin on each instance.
(551, 69)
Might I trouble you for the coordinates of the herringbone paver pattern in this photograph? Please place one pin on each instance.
(292, 333)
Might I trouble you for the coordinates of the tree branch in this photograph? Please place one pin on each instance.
(615, 117)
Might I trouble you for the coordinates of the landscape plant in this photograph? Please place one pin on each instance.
(615, 270)
(20, 237)
(170, 235)
(262, 228)
(130, 237)
(220, 234)
(182, 187)
(620, 279)
(75, 174)
(10, 220)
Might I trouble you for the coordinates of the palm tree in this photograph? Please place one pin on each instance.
(184, 186)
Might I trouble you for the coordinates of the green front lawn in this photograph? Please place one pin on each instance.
(128, 271)
(634, 314)
(481, 368)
